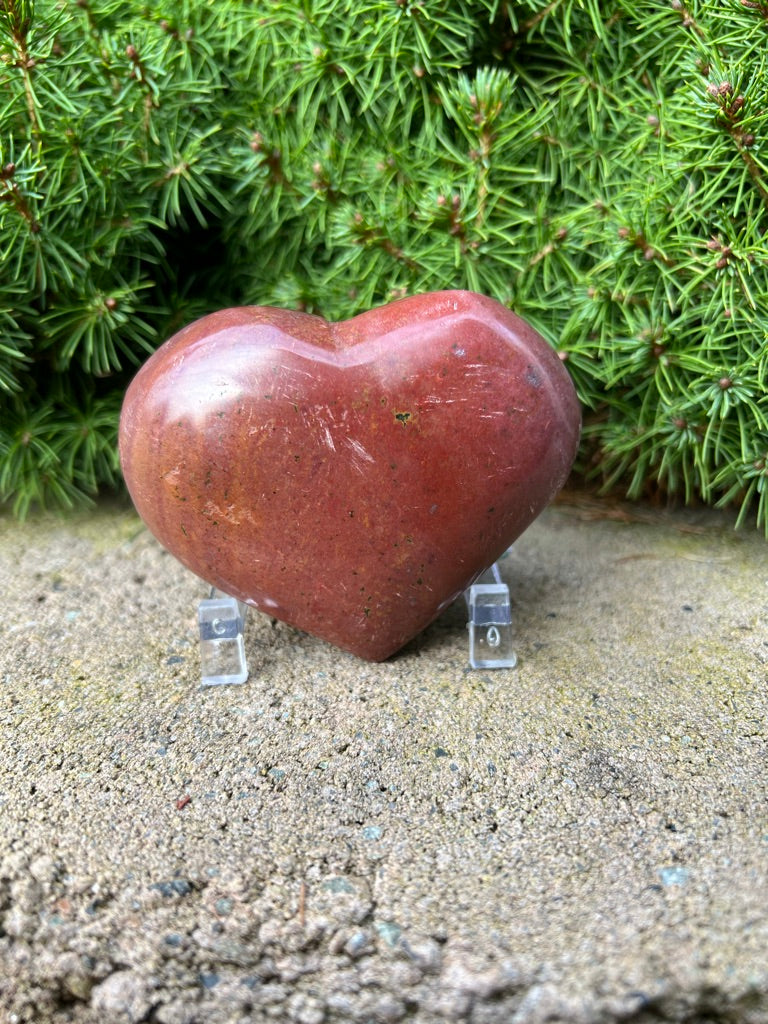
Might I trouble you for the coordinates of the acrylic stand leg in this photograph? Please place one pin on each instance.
(222, 648)
(222, 618)
(490, 622)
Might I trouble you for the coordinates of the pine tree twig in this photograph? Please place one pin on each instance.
(19, 15)
(27, 63)
(550, 247)
(321, 182)
(486, 140)
(367, 235)
(687, 19)
(540, 16)
(272, 160)
(85, 6)
(140, 74)
(730, 115)
(455, 222)
(639, 241)
(755, 5)
(484, 116)
(12, 194)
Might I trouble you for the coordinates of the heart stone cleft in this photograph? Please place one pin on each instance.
(351, 479)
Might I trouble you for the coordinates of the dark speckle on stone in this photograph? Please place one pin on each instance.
(209, 980)
(439, 752)
(176, 887)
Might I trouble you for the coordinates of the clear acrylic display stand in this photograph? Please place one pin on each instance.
(490, 621)
(222, 620)
(222, 647)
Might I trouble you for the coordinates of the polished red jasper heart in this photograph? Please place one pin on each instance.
(351, 479)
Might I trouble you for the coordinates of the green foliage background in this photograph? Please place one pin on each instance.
(601, 167)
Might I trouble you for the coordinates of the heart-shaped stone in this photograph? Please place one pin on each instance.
(351, 479)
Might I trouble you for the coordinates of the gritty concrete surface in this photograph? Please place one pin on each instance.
(581, 839)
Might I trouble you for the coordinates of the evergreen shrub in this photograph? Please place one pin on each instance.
(599, 165)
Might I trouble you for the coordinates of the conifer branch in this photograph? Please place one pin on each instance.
(12, 194)
(687, 19)
(639, 241)
(756, 5)
(369, 235)
(19, 15)
(27, 63)
(537, 18)
(576, 165)
(731, 110)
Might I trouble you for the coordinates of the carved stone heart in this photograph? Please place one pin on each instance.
(351, 479)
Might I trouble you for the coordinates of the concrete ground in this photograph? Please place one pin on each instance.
(581, 839)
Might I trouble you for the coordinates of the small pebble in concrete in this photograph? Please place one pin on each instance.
(674, 875)
(389, 931)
